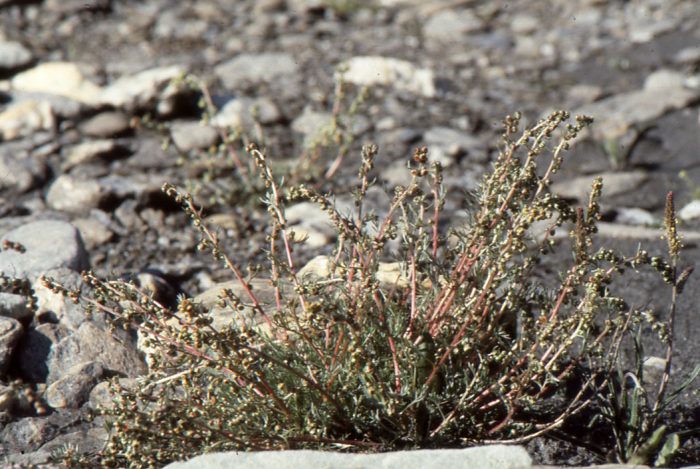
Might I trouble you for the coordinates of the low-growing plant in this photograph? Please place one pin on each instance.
(633, 404)
(467, 344)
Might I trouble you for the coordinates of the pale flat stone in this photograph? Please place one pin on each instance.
(482, 457)
(664, 91)
(142, 89)
(60, 78)
(400, 74)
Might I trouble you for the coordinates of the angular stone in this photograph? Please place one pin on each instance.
(90, 342)
(21, 174)
(72, 389)
(11, 331)
(34, 351)
(28, 433)
(40, 239)
(14, 306)
(55, 307)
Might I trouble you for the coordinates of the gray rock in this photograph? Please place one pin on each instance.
(55, 307)
(102, 397)
(450, 25)
(135, 185)
(14, 55)
(40, 239)
(34, 351)
(254, 68)
(14, 306)
(483, 457)
(614, 183)
(688, 56)
(73, 195)
(193, 135)
(89, 151)
(29, 433)
(106, 124)
(90, 342)
(94, 232)
(73, 388)
(635, 216)
(10, 332)
(89, 440)
(456, 143)
(21, 174)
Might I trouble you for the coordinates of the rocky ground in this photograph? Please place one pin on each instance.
(87, 87)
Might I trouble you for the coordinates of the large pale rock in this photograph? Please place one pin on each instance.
(483, 457)
(60, 78)
(400, 74)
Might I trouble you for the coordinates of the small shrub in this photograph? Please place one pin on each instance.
(466, 344)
